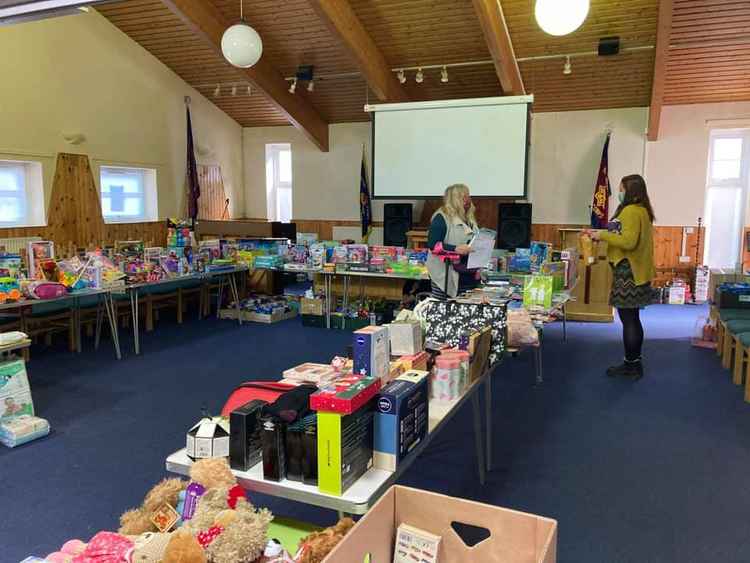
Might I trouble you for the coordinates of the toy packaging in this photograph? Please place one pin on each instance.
(179, 232)
(38, 252)
(15, 393)
(401, 418)
(346, 395)
(244, 435)
(340, 255)
(208, 438)
(415, 546)
(344, 448)
(22, 429)
(520, 261)
(537, 291)
(539, 253)
(10, 266)
(356, 253)
(371, 347)
(405, 338)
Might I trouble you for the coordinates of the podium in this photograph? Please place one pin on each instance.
(591, 294)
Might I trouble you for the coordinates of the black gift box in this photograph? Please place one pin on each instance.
(273, 441)
(245, 449)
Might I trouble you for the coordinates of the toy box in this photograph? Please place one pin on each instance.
(520, 261)
(401, 418)
(344, 448)
(38, 252)
(537, 291)
(346, 395)
(10, 266)
(356, 253)
(538, 255)
(15, 393)
(405, 338)
(371, 351)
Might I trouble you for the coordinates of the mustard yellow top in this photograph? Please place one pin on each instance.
(635, 242)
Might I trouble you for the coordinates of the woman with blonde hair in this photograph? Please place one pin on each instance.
(451, 229)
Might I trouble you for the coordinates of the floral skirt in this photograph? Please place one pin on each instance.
(625, 294)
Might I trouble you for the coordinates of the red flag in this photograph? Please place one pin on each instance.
(602, 191)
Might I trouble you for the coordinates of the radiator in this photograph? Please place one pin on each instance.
(15, 245)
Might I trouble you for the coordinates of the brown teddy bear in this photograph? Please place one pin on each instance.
(316, 546)
(138, 520)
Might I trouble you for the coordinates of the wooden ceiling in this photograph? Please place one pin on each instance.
(435, 32)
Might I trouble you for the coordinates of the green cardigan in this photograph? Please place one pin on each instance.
(635, 243)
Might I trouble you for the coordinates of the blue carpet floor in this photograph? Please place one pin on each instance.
(654, 471)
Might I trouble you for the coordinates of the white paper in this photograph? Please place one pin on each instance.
(483, 244)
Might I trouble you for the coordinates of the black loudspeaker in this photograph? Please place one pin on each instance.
(609, 46)
(284, 230)
(396, 223)
(513, 225)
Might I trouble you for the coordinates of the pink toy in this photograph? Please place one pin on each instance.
(67, 552)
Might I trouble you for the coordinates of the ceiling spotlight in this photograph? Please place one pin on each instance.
(293, 87)
(561, 17)
(217, 91)
(567, 69)
(249, 90)
(419, 76)
(444, 74)
(311, 86)
(234, 90)
(401, 76)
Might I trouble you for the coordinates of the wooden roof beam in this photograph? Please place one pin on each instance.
(495, 29)
(206, 21)
(345, 25)
(663, 32)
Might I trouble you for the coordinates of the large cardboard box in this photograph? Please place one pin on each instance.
(515, 537)
(311, 306)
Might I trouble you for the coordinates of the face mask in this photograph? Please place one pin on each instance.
(621, 197)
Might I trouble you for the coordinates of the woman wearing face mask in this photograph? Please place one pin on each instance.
(451, 229)
(630, 252)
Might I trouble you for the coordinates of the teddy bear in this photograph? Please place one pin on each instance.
(316, 546)
(137, 521)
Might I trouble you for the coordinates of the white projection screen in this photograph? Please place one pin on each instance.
(419, 149)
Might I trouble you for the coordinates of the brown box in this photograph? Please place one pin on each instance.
(718, 276)
(515, 537)
(311, 306)
(480, 343)
(253, 317)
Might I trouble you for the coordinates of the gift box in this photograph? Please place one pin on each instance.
(244, 435)
(416, 361)
(344, 448)
(302, 450)
(346, 395)
(317, 374)
(15, 393)
(371, 349)
(208, 438)
(401, 418)
(405, 338)
(273, 442)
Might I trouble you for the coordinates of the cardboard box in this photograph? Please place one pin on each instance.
(515, 537)
(406, 338)
(344, 448)
(718, 276)
(252, 316)
(401, 418)
(480, 344)
(371, 349)
(311, 306)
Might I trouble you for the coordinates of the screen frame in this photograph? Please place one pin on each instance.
(459, 103)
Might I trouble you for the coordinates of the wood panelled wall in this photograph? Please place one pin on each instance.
(212, 203)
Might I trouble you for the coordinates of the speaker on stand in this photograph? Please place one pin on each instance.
(397, 221)
(513, 225)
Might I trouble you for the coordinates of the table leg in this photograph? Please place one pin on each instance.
(347, 280)
(328, 283)
(565, 322)
(478, 436)
(488, 418)
(236, 297)
(219, 296)
(134, 311)
(99, 317)
(538, 362)
(77, 322)
(109, 305)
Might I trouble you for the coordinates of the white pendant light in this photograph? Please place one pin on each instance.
(241, 44)
(561, 17)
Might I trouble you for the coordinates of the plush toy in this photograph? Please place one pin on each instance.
(67, 552)
(183, 548)
(212, 473)
(149, 547)
(138, 520)
(316, 546)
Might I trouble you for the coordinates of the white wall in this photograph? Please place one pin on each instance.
(676, 164)
(81, 74)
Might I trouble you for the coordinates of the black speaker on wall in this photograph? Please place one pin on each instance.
(513, 225)
(396, 223)
(284, 230)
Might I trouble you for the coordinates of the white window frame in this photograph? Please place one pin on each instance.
(31, 194)
(740, 184)
(147, 195)
(274, 185)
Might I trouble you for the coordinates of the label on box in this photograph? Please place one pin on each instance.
(744, 298)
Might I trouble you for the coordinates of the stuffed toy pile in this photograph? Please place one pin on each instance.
(208, 520)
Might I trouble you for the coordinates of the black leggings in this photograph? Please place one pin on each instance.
(632, 333)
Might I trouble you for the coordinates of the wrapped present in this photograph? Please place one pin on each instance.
(346, 395)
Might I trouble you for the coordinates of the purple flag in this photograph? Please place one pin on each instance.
(193, 186)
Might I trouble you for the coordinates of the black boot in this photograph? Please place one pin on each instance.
(632, 369)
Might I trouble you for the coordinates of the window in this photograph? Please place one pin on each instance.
(21, 194)
(128, 194)
(279, 182)
(726, 196)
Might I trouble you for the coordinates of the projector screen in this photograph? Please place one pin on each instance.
(421, 148)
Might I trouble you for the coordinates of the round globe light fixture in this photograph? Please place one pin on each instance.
(241, 45)
(561, 17)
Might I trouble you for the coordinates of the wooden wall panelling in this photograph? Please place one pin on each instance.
(75, 213)
(213, 199)
(152, 233)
